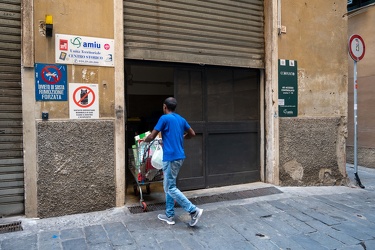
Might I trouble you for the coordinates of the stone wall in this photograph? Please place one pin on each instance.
(311, 151)
(75, 167)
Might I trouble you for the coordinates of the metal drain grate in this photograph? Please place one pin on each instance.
(212, 198)
(10, 227)
(150, 208)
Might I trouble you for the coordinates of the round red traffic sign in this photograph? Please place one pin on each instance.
(356, 47)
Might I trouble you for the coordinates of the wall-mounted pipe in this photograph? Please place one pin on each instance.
(279, 17)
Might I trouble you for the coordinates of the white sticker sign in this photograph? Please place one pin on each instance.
(83, 101)
(83, 50)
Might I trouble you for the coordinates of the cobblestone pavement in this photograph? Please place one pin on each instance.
(299, 218)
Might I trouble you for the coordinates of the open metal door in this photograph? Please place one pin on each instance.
(222, 106)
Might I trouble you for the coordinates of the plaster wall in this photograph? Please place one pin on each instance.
(270, 130)
(316, 36)
(81, 18)
(361, 22)
(75, 169)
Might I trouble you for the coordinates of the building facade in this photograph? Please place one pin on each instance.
(361, 15)
(263, 84)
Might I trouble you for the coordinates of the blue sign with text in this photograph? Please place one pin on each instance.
(51, 82)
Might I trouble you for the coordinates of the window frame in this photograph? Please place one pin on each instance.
(355, 4)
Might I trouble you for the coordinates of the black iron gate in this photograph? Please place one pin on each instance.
(220, 103)
(222, 106)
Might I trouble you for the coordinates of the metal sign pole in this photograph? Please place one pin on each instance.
(356, 128)
(357, 52)
(355, 119)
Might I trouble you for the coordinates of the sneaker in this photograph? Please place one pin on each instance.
(195, 217)
(169, 220)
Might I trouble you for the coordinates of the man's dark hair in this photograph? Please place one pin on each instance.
(171, 103)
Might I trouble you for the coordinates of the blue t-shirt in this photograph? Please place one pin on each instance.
(172, 127)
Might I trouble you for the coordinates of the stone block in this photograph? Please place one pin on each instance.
(76, 165)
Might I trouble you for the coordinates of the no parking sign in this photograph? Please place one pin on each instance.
(83, 101)
(50, 82)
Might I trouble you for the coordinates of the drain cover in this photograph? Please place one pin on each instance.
(212, 198)
(10, 227)
(150, 208)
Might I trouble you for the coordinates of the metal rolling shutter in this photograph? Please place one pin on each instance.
(11, 155)
(226, 32)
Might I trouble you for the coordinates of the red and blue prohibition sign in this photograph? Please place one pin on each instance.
(51, 74)
(51, 82)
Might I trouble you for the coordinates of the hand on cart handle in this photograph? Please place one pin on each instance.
(159, 140)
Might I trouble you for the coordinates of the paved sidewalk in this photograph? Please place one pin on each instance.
(299, 218)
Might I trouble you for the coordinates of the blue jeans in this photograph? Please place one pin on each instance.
(172, 193)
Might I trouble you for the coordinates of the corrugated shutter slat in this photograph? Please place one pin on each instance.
(11, 131)
(226, 33)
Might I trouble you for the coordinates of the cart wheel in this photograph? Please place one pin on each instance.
(144, 206)
(148, 189)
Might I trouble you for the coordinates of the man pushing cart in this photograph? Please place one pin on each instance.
(174, 129)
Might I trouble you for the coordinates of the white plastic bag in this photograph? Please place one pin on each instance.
(157, 157)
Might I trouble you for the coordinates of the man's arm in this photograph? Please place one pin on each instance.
(152, 136)
(189, 134)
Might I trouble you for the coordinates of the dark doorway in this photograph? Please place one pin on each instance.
(222, 106)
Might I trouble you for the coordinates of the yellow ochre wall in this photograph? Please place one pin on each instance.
(81, 18)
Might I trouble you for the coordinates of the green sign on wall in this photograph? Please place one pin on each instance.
(288, 88)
